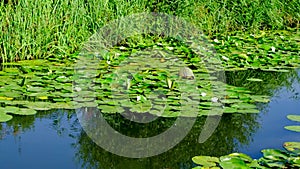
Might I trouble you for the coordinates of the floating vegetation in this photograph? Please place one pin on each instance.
(272, 158)
(118, 82)
(295, 128)
(275, 51)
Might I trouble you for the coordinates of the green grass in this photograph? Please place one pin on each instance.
(33, 29)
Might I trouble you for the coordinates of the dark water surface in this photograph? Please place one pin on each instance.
(272, 133)
(55, 139)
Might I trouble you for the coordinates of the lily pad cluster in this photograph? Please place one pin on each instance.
(28, 86)
(267, 51)
(142, 77)
(272, 158)
(117, 83)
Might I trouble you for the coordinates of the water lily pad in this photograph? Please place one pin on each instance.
(6, 98)
(141, 107)
(83, 99)
(248, 111)
(11, 109)
(243, 106)
(258, 98)
(273, 154)
(293, 128)
(294, 117)
(228, 162)
(64, 105)
(39, 105)
(242, 156)
(170, 113)
(292, 146)
(206, 161)
(230, 110)
(110, 109)
(254, 79)
(3, 116)
(24, 111)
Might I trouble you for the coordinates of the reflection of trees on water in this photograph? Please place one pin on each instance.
(270, 86)
(233, 129)
(18, 125)
(272, 81)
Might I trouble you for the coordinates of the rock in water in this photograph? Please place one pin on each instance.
(186, 73)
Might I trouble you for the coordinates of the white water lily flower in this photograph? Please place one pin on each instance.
(122, 47)
(214, 99)
(225, 58)
(203, 94)
(273, 49)
(170, 48)
(77, 89)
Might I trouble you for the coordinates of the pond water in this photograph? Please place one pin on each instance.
(55, 139)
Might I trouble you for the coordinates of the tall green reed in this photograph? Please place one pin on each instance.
(32, 29)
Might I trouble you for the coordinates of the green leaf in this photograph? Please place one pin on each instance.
(258, 98)
(228, 162)
(248, 111)
(294, 117)
(205, 161)
(24, 111)
(242, 156)
(273, 154)
(255, 80)
(292, 146)
(230, 110)
(4, 117)
(243, 106)
(293, 128)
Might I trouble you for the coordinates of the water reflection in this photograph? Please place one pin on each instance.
(232, 129)
(28, 141)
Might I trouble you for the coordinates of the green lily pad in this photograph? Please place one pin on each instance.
(229, 101)
(39, 105)
(6, 98)
(24, 111)
(293, 128)
(243, 106)
(230, 110)
(4, 117)
(11, 109)
(228, 162)
(292, 146)
(273, 154)
(272, 163)
(141, 107)
(294, 117)
(248, 111)
(242, 156)
(258, 98)
(255, 80)
(206, 161)
(110, 109)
